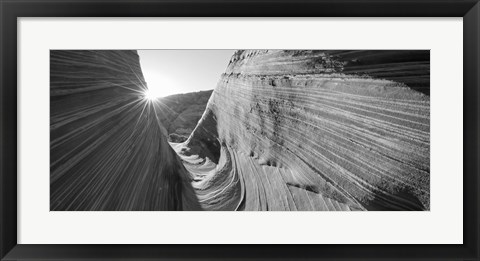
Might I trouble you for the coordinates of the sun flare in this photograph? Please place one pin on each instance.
(158, 87)
(152, 94)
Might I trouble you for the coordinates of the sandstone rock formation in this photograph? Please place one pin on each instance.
(183, 113)
(317, 130)
(108, 151)
(283, 130)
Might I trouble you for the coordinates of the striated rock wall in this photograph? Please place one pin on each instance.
(108, 151)
(283, 130)
(316, 130)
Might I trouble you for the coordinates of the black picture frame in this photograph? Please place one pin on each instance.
(10, 10)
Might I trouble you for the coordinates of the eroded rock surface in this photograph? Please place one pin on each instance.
(283, 130)
(108, 151)
(317, 130)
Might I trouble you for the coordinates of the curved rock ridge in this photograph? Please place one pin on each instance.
(315, 130)
(411, 67)
(283, 130)
(108, 151)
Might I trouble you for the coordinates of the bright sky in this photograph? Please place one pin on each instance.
(170, 72)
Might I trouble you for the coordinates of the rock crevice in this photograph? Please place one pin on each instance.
(282, 130)
(326, 126)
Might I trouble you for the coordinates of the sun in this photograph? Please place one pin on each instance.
(152, 94)
(158, 87)
(155, 91)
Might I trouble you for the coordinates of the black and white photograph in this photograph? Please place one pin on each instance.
(239, 130)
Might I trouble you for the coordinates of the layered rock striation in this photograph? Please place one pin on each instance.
(108, 151)
(283, 130)
(317, 130)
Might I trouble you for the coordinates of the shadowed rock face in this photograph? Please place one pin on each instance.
(318, 130)
(108, 151)
(283, 130)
